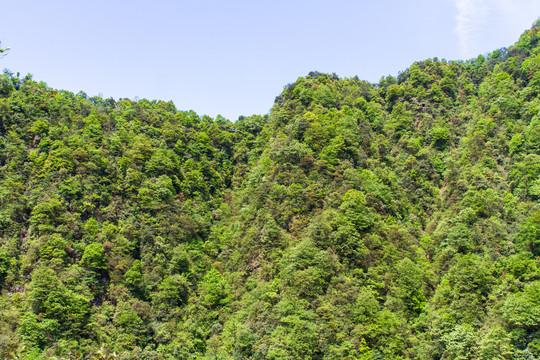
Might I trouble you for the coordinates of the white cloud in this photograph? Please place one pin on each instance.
(470, 21)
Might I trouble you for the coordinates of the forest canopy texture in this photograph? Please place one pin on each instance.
(397, 220)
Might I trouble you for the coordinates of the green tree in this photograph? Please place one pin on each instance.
(3, 50)
(53, 310)
(214, 289)
(172, 292)
(409, 281)
(522, 309)
(529, 233)
(134, 278)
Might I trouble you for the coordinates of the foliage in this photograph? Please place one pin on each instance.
(397, 220)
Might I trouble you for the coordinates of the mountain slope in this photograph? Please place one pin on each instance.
(396, 220)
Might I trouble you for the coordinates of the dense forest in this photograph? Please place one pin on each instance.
(398, 220)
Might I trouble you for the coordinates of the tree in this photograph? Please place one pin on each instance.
(53, 311)
(93, 258)
(172, 292)
(3, 50)
(528, 236)
(522, 309)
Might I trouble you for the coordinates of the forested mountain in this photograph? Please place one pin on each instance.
(397, 220)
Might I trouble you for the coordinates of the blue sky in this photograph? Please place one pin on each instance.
(234, 57)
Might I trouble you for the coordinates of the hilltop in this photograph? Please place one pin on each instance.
(354, 221)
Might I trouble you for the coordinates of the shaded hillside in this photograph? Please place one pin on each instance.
(357, 221)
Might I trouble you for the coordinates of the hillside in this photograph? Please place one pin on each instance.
(397, 220)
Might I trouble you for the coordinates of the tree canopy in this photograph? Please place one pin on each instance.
(355, 221)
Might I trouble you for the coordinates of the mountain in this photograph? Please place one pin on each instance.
(398, 220)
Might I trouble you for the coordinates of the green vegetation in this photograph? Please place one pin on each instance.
(3, 50)
(356, 221)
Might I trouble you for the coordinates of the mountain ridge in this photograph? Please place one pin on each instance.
(355, 221)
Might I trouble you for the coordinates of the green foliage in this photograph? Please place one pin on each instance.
(522, 309)
(529, 233)
(397, 220)
(54, 311)
(306, 270)
(134, 277)
(173, 292)
(461, 343)
(409, 280)
(93, 257)
(214, 289)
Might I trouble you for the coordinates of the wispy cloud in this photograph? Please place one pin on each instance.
(470, 20)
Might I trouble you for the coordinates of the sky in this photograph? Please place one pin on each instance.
(234, 57)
